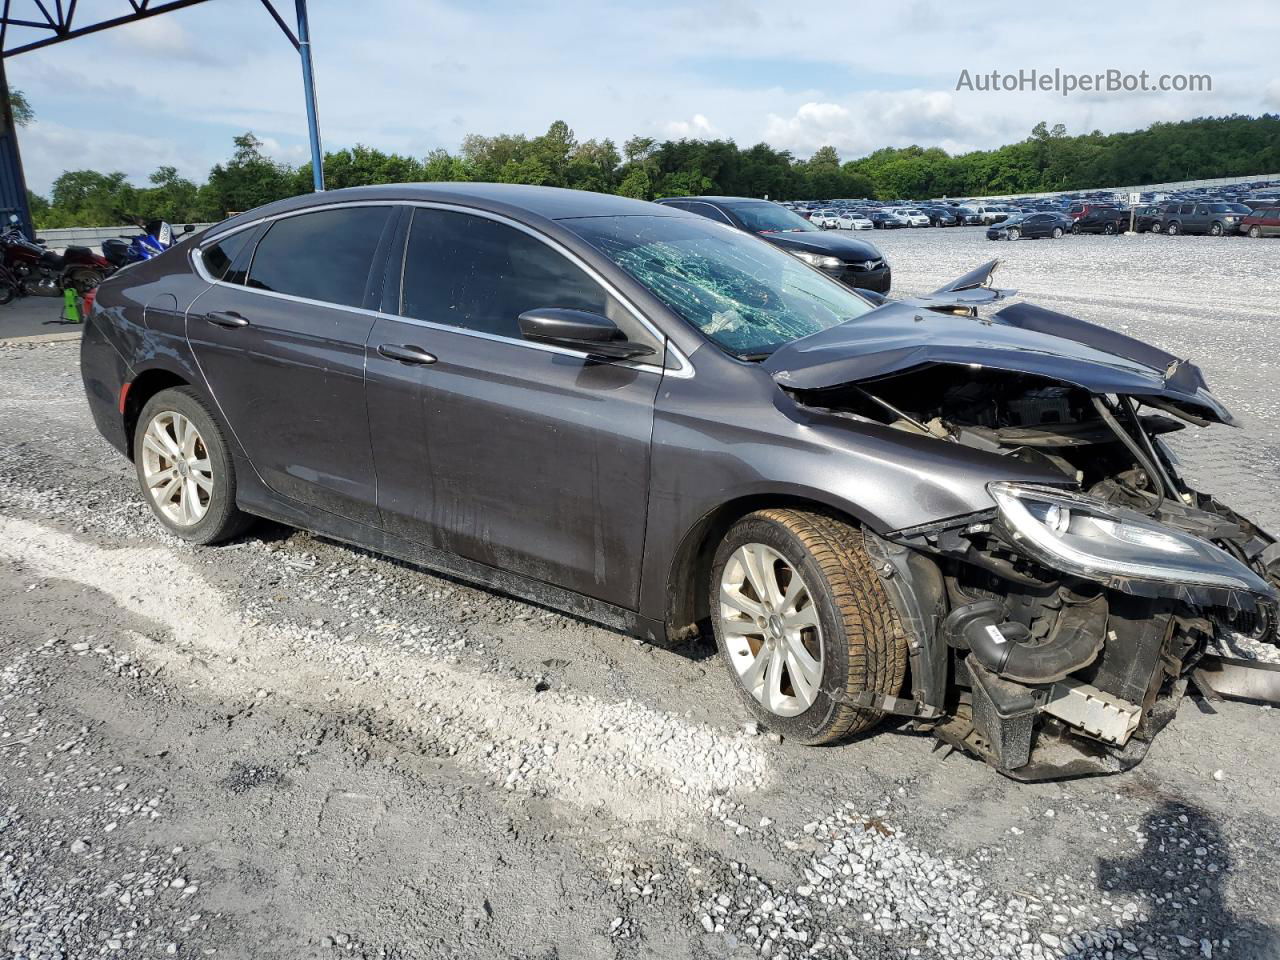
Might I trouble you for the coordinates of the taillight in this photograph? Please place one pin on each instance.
(88, 301)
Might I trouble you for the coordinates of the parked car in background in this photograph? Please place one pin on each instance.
(1149, 218)
(989, 213)
(1214, 218)
(941, 216)
(1262, 222)
(852, 261)
(913, 216)
(853, 220)
(970, 216)
(1032, 226)
(652, 422)
(825, 219)
(1106, 220)
(886, 220)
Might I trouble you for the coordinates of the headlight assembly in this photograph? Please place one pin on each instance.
(1098, 541)
(817, 259)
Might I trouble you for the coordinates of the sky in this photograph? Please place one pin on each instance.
(413, 75)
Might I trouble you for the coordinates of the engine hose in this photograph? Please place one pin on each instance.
(1074, 644)
(1139, 455)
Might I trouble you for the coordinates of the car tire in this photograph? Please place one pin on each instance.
(1057, 233)
(178, 440)
(1075, 228)
(1109, 229)
(1174, 229)
(1255, 231)
(1215, 230)
(1014, 233)
(841, 611)
(1155, 228)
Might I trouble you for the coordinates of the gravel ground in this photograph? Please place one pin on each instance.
(288, 748)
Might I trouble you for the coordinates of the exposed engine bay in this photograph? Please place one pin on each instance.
(1056, 634)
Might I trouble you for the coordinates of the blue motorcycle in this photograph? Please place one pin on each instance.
(157, 238)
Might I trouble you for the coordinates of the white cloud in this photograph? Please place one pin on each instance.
(411, 75)
(1272, 98)
(698, 128)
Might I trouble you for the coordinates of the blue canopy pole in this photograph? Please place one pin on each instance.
(309, 88)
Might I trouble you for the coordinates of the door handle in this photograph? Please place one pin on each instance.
(226, 319)
(406, 354)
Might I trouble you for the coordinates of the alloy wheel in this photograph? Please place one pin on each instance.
(176, 468)
(771, 631)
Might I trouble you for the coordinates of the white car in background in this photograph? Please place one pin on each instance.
(848, 220)
(826, 219)
(914, 217)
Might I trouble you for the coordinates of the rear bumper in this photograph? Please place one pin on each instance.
(104, 373)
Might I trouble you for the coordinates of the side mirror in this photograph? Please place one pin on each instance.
(189, 228)
(596, 335)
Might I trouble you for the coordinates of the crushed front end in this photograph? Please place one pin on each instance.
(1054, 634)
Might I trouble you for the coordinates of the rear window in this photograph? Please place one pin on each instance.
(323, 256)
(219, 256)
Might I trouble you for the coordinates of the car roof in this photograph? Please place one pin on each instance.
(714, 199)
(550, 203)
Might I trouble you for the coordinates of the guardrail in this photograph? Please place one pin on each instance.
(91, 236)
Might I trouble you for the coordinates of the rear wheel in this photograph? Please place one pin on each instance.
(1109, 229)
(1155, 227)
(802, 621)
(1057, 233)
(185, 468)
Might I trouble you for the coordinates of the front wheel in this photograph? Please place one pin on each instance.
(803, 621)
(185, 468)
(1255, 231)
(1215, 230)
(1014, 233)
(1109, 229)
(1075, 228)
(1174, 229)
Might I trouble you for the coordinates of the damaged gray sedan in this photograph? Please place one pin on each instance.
(932, 508)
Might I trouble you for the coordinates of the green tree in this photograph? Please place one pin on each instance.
(20, 108)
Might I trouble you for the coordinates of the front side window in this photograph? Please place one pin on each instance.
(746, 295)
(326, 255)
(708, 211)
(466, 271)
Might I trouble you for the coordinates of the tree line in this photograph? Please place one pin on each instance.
(645, 168)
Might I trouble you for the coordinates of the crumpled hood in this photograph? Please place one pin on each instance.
(826, 242)
(1023, 338)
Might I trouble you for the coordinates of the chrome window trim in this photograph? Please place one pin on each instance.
(684, 369)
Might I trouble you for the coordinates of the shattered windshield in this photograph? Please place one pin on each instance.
(744, 294)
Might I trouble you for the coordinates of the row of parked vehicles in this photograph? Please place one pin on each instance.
(1250, 209)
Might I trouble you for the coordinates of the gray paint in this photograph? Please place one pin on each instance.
(588, 485)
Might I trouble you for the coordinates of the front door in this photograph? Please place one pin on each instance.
(521, 456)
(282, 350)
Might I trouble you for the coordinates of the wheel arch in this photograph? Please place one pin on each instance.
(690, 565)
(145, 385)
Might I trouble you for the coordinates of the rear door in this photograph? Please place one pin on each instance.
(526, 457)
(282, 347)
